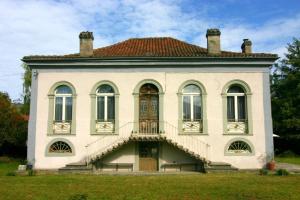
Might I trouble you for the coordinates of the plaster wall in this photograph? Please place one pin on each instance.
(213, 79)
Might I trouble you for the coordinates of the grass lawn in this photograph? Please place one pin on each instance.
(291, 160)
(196, 186)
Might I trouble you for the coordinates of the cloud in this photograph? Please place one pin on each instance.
(48, 27)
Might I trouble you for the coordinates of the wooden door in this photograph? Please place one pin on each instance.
(148, 115)
(148, 156)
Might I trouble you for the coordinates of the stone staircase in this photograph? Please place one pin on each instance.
(219, 167)
(78, 167)
(84, 167)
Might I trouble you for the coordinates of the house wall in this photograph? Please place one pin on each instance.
(213, 79)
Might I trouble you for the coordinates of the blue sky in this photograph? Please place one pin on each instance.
(30, 27)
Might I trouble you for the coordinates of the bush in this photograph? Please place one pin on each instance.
(282, 172)
(287, 153)
(11, 174)
(263, 172)
(31, 172)
(78, 197)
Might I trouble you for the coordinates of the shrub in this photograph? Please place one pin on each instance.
(282, 172)
(287, 153)
(11, 174)
(78, 197)
(31, 172)
(263, 172)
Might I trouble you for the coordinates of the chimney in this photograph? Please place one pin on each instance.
(86, 43)
(246, 46)
(213, 41)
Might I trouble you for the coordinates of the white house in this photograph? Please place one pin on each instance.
(151, 104)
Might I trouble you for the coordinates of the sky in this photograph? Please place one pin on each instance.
(51, 27)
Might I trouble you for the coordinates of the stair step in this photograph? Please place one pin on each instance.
(77, 164)
(219, 167)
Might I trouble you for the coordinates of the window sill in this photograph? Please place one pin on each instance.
(61, 134)
(104, 133)
(239, 154)
(59, 154)
(240, 134)
(191, 133)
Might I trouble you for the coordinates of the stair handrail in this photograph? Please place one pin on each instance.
(100, 145)
(199, 147)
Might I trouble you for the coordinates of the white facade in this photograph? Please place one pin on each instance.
(170, 79)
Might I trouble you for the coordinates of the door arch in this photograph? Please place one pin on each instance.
(159, 93)
(148, 109)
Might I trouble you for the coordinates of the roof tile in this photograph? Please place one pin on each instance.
(154, 47)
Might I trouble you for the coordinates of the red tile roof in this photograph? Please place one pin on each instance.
(154, 47)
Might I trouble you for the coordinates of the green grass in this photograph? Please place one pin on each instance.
(291, 160)
(224, 186)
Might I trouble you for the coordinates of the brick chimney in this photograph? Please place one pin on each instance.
(247, 46)
(86, 43)
(213, 41)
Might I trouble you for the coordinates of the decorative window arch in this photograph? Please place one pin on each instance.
(239, 147)
(60, 147)
(136, 93)
(192, 108)
(236, 95)
(104, 108)
(62, 108)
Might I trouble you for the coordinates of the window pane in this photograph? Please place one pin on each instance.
(230, 109)
(110, 108)
(68, 109)
(100, 108)
(241, 108)
(191, 89)
(105, 89)
(186, 108)
(197, 107)
(235, 89)
(58, 108)
(63, 89)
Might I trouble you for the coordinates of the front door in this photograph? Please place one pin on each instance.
(148, 156)
(148, 115)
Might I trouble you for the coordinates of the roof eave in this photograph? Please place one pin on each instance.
(161, 59)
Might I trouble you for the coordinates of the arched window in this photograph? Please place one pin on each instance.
(60, 147)
(63, 104)
(239, 147)
(62, 109)
(105, 103)
(236, 96)
(105, 109)
(192, 108)
(236, 104)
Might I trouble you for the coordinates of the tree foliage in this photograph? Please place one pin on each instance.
(26, 89)
(286, 93)
(13, 128)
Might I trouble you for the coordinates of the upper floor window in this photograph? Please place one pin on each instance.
(192, 108)
(63, 104)
(105, 103)
(236, 104)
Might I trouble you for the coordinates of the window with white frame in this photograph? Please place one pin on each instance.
(236, 104)
(63, 109)
(192, 108)
(236, 110)
(105, 108)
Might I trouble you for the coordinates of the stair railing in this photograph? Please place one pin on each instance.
(105, 142)
(190, 142)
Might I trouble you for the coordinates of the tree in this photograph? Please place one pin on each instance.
(286, 93)
(13, 128)
(285, 89)
(26, 89)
